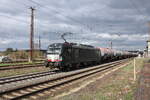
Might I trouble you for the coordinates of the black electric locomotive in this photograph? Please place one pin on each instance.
(70, 55)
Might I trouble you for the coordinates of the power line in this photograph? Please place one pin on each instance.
(74, 20)
(138, 10)
(136, 7)
(25, 5)
(13, 18)
(35, 2)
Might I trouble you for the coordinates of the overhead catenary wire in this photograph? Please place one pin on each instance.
(139, 11)
(13, 18)
(41, 6)
(134, 5)
(74, 20)
(22, 3)
(70, 18)
(62, 15)
(82, 28)
(19, 20)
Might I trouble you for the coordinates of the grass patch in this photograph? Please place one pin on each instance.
(22, 71)
(13, 64)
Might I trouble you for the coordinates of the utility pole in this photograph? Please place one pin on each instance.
(39, 43)
(134, 69)
(32, 34)
(111, 44)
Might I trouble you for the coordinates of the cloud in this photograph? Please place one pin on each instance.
(93, 22)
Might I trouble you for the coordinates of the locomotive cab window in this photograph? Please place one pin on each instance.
(52, 50)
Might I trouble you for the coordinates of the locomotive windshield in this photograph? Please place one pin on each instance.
(54, 49)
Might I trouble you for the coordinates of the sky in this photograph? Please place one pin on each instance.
(92, 22)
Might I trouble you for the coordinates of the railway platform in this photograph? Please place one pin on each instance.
(143, 91)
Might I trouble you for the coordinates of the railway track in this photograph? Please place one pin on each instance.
(20, 66)
(25, 77)
(31, 88)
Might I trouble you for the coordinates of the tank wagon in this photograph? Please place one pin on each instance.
(106, 54)
(66, 56)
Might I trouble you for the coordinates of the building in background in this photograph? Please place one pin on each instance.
(148, 48)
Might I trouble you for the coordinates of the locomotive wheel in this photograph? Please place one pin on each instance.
(64, 68)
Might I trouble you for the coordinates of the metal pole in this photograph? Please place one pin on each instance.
(111, 44)
(134, 71)
(32, 34)
(39, 42)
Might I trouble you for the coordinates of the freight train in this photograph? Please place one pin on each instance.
(66, 56)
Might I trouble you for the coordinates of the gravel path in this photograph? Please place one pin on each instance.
(143, 91)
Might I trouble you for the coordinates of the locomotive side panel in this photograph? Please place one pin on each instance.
(66, 55)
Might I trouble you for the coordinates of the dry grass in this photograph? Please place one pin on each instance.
(21, 63)
(22, 71)
(118, 86)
